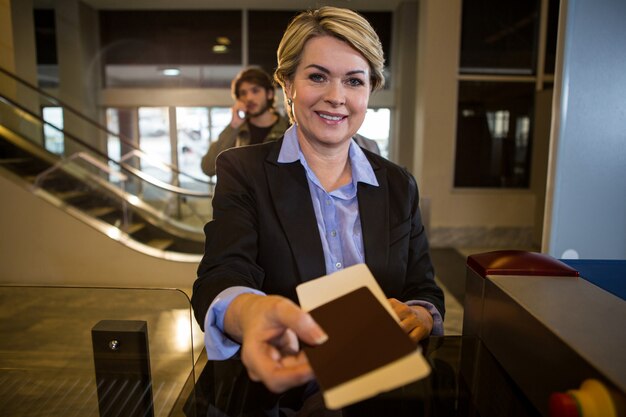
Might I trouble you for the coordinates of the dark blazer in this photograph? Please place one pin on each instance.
(264, 234)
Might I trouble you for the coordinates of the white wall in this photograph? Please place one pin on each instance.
(43, 245)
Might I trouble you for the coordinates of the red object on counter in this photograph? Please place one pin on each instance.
(518, 262)
(563, 405)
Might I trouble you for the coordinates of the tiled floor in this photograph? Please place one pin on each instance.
(450, 276)
(453, 323)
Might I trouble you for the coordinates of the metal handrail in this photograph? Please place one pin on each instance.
(66, 106)
(155, 181)
(136, 172)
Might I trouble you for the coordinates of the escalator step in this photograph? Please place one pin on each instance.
(68, 195)
(9, 161)
(135, 227)
(100, 211)
(160, 243)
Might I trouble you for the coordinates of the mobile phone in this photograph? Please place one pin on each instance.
(241, 114)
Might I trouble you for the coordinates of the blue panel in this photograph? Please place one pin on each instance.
(589, 205)
(609, 275)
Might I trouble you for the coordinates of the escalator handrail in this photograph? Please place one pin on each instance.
(127, 168)
(122, 137)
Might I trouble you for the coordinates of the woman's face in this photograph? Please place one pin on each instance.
(330, 91)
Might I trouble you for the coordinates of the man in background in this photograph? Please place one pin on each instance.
(254, 118)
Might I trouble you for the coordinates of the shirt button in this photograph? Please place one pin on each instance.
(333, 233)
(328, 202)
(338, 265)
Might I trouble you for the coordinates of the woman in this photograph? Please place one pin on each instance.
(308, 205)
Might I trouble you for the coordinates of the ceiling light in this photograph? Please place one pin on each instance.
(171, 72)
(222, 40)
(220, 49)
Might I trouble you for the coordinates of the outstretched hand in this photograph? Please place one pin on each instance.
(269, 328)
(416, 321)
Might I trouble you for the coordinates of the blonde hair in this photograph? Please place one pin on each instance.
(343, 24)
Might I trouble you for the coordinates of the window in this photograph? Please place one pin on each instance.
(197, 127)
(376, 126)
(265, 30)
(154, 140)
(493, 132)
(498, 37)
(46, 45)
(53, 129)
(498, 79)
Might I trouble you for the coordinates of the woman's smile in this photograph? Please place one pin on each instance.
(332, 117)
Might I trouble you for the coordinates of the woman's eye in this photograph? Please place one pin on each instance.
(355, 82)
(316, 78)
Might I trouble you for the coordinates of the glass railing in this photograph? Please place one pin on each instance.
(84, 128)
(74, 351)
(165, 215)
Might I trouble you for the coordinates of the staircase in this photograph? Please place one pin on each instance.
(115, 197)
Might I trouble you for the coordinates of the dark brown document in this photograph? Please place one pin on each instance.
(362, 337)
(367, 351)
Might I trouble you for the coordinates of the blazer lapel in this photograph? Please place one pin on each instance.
(374, 212)
(290, 192)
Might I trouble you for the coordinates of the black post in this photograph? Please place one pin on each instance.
(122, 365)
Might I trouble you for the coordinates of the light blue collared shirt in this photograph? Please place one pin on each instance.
(339, 225)
(337, 212)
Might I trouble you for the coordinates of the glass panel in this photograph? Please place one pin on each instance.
(220, 118)
(53, 138)
(376, 127)
(553, 26)
(193, 141)
(114, 147)
(58, 358)
(494, 134)
(499, 37)
(46, 45)
(154, 140)
(382, 22)
(266, 29)
(138, 45)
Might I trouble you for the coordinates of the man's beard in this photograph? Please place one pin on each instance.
(263, 110)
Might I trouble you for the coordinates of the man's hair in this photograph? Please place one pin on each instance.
(343, 24)
(256, 76)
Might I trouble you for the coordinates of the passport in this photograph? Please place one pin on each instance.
(367, 352)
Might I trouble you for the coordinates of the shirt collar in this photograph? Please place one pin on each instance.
(362, 170)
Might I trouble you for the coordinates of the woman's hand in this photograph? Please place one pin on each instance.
(269, 328)
(416, 321)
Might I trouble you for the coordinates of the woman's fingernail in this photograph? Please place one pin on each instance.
(321, 337)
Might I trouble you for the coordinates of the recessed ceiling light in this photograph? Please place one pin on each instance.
(222, 40)
(171, 72)
(220, 49)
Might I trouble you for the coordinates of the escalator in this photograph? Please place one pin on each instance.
(117, 197)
